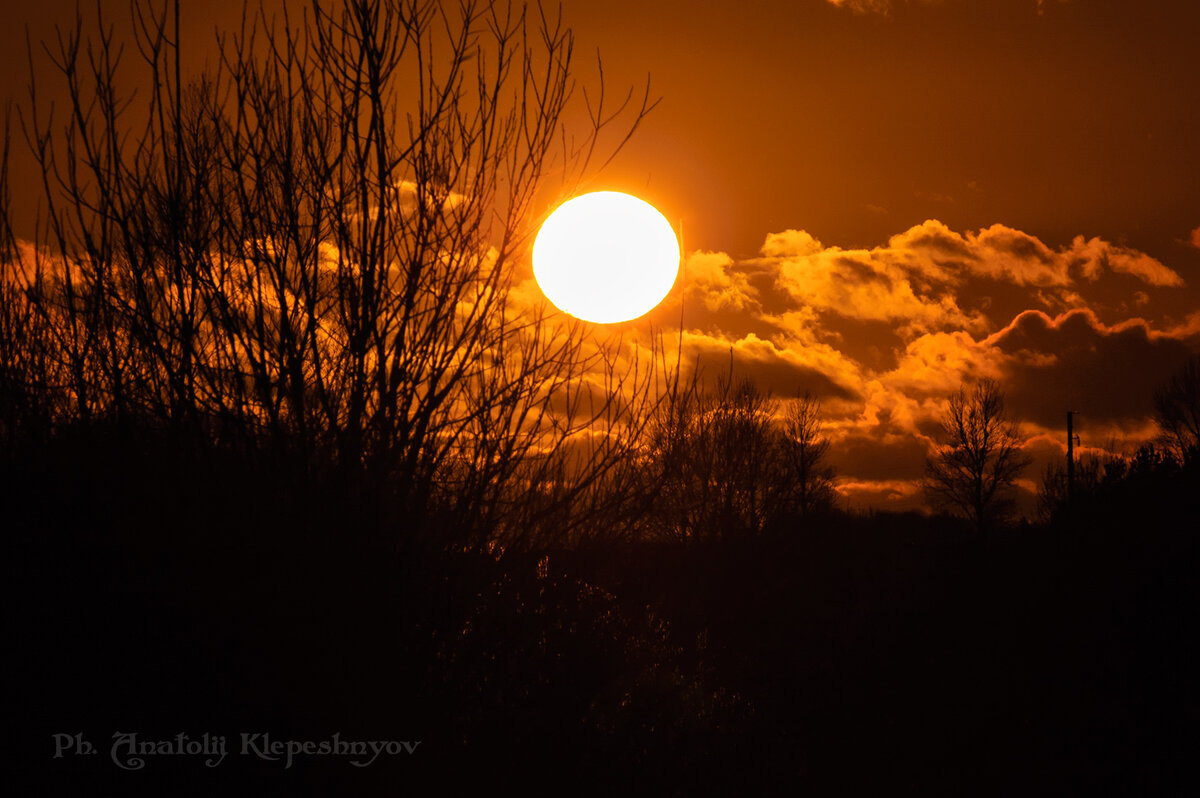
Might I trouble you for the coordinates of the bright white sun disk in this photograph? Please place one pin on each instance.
(606, 257)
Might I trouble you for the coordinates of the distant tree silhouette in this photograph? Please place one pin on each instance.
(1090, 474)
(973, 470)
(1177, 410)
(724, 464)
(806, 450)
(307, 254)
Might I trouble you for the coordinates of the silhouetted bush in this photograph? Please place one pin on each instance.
(722, 463)
(1177, 410)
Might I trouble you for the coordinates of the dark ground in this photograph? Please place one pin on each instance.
(858, 655)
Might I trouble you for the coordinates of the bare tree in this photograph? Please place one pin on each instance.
(309, 250)
(973, 471)
(733, 459)
(1177, 410)
(724, 464)
(806, 451)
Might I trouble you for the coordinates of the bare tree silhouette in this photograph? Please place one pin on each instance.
(724, 464)
(309, 252)
(806, 451)
(1177, 410)
(972, 472)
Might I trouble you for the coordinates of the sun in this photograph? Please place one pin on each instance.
(606, 257)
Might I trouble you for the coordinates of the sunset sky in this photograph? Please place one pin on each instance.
(880, 199)
(887, 197)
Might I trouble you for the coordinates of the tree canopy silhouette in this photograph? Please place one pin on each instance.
(973, 471)
(724, 462)
(1177, 410)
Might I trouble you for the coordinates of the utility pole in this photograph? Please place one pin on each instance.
(1071, 455)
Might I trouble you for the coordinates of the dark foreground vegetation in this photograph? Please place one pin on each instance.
(160, 594)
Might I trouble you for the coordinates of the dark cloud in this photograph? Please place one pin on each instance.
(862, 457)
(856, 271)
(781, 372)
(940, 241)
(1076, 362)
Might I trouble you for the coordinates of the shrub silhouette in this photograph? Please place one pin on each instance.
(1177, 410)
(724, 463)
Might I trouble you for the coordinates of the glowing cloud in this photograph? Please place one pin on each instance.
(886, 334)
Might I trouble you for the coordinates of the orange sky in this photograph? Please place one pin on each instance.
(892, 197)
(881, 199)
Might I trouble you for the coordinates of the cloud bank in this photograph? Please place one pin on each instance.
(884, 336)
